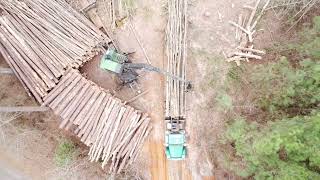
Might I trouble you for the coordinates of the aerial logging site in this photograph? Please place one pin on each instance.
(161, 89)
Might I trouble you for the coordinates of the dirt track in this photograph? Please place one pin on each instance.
(150, 24)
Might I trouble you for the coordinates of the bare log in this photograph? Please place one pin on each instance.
(253, 13)
(70, 96)
(83, 103)
(137, 97)
(252, 50)
(24, 109)
(6, 71)
(248, 55)
(80, 118)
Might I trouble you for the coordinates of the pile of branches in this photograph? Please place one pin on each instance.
(113, 131)
(176, 50)
(245, 32)
(40, 39)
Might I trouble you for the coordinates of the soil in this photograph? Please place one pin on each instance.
(150, 28)
(211, 37)
(28, 141)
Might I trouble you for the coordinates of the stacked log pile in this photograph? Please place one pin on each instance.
(44, 42)
(177, 55)
(113, 131)
(245, 32)
(40, 39)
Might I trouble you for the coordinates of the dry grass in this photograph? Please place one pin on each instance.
(293, 10)
(137, 171)
(35, 150)
(77, 170)
(25, 144)
(20, 140)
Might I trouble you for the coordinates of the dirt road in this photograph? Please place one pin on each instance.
(150, 28)
(150, 23)
(10, 168)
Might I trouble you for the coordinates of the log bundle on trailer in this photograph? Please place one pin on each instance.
(177, 54)
(40, 39)
(113, 131)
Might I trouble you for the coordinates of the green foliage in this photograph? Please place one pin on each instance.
(65, 153)
(235, 72)
(281, 87)
(286, 149)
(311, 41)
(224, 101)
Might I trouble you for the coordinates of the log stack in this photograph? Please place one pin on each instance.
(40, 39)
(44, 42)
(177, 56)
(113, 131)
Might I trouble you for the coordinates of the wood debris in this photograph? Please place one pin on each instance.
(177, 55)
(40, 39)
(245, 31)
(113, 131)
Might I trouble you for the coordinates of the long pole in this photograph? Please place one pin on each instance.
(6, 71)
(8, 109)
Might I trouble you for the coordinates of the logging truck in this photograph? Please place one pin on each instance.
(175, 138)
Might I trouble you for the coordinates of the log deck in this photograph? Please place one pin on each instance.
(44, 43)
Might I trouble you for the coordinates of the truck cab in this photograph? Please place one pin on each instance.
(175, 140)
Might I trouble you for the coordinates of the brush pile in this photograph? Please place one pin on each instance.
(113, 131)
(245, 32)
(177, 54)
(40, 39)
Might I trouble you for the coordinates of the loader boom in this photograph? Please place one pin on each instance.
(151, 68)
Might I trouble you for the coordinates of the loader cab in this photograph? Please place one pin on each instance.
(113, 61)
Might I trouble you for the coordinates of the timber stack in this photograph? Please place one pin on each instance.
(40, 39)
(45, 42)
(113, 131)
(177, 54)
